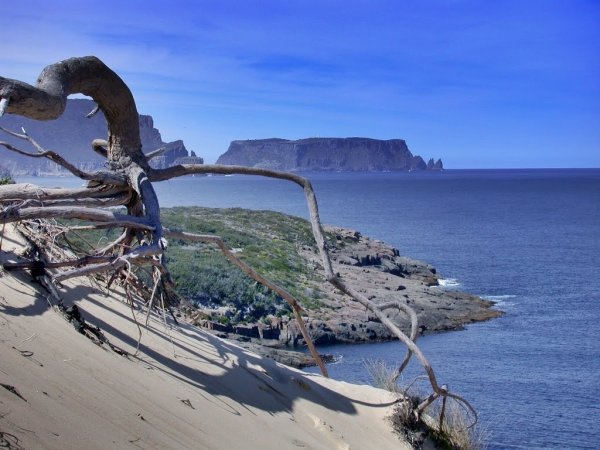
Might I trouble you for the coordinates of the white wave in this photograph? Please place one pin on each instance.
(448, 282)
(500, 300)
(497, 297)
(337, 359)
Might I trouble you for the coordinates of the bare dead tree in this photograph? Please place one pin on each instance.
(127, 181)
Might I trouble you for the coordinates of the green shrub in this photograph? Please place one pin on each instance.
(267, 241)
(5, 176)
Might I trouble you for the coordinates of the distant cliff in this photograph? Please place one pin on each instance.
(71, 135)
(332, 154)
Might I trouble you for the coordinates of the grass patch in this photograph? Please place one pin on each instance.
(456, 432)
(267, 241)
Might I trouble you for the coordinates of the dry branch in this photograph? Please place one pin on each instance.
(101, 176)
(25, 191)
(12, 214)
(289, 298)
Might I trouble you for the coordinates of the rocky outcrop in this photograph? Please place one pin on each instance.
(283, 249)
(378, 270)
(435, 165)
(330, 154)
(175, 153)
(71, 135)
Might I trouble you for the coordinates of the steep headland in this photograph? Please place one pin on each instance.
(71, 135)
(331, 154)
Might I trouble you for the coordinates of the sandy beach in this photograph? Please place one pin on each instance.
(183, 388)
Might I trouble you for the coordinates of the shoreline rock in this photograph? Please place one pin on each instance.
(378, 270)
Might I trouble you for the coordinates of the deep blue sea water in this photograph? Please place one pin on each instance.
(529, 239)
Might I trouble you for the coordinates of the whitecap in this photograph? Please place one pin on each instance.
(448, 282)
(337, 359)
(500, 300)
(498, 297)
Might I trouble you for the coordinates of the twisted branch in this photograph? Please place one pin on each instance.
(102, 176)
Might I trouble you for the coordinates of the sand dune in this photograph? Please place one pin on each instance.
(184, 389)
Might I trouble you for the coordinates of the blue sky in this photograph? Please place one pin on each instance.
(480, 84)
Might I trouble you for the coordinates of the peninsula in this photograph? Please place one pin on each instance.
(282, 248)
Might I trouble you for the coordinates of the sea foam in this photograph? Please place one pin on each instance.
(448, 282)
(500, 300)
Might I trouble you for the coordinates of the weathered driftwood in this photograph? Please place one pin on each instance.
(128, 181)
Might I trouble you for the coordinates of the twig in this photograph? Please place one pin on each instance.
(93, 112)
(154, 153)
(162, 301)
(414, 323)
(130, 300)
(442, 413)
(156, 281)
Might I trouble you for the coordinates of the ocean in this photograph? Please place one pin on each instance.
(527, 239)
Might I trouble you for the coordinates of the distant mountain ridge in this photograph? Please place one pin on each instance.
(71, 135)
(326, 154)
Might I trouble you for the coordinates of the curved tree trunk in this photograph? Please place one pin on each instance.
(89, 76)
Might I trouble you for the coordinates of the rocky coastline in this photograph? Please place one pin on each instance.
(374, 268)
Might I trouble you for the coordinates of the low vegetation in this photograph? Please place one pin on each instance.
(447, 424)
(266, 240)
(5, 177)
